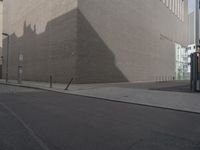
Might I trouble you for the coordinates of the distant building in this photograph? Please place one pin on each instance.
(95, 40)
(191, 28)
(191, 47)
(183, 61)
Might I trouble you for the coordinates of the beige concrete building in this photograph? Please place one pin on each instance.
(94, 40)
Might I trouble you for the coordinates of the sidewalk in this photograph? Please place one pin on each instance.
(137, 93)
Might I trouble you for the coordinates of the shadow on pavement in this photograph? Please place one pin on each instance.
(172, 86)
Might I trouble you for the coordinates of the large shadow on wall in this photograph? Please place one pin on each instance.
(51, 52)
(69, 47)
(96, 62)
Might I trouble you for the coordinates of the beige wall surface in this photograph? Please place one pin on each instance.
(44, 32)
(141, 34)
(92, 40)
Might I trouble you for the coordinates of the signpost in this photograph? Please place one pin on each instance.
(20, 69)
(7, 54)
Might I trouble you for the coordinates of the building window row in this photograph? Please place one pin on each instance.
(176, 6)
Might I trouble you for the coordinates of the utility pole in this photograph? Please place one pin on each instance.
(195, 57)
(7, 57)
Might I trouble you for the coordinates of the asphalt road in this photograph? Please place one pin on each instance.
(41, 120)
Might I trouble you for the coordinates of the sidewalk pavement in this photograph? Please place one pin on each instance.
(136, 93)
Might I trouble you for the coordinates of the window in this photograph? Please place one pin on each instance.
(176, 6)
(183, 12)
(170, 4)
(181, 9)
(167, 3)
(173, 6)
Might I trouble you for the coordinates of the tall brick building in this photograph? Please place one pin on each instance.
(94, 40)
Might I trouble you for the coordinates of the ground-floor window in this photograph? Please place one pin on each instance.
(182, 62)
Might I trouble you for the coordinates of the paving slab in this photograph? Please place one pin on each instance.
(172, 100)
(128, 93)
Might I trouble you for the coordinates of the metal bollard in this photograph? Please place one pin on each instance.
(51, 81)
(19, 76)
(69, 84)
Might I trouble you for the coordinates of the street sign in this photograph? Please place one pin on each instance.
(21, 57)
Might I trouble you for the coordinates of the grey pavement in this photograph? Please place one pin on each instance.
(151, 94)
(43, 120)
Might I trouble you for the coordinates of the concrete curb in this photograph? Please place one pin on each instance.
(26, 86)
(105, 99)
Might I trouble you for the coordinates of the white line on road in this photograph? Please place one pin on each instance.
(30, 131)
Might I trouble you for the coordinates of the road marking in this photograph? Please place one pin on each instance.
(30, 131)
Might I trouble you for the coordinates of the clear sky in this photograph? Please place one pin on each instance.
(191, 5)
